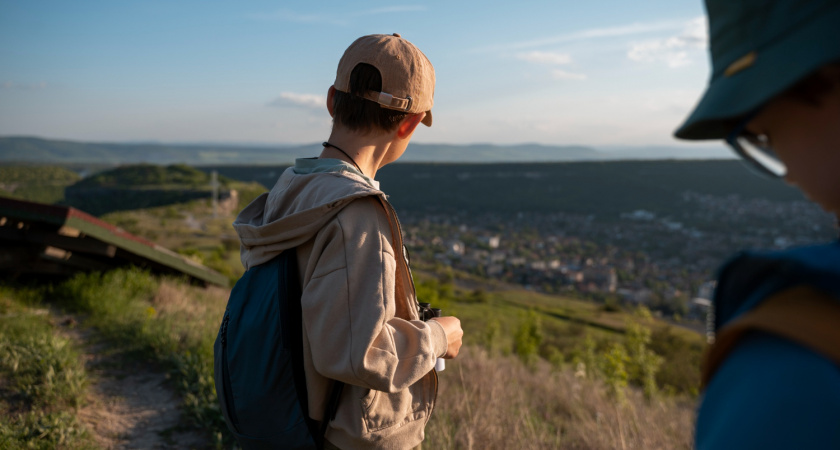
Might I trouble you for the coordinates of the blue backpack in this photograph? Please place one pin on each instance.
(258, 359)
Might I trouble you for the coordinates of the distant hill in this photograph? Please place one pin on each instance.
(47, 151)
(603, 188)
(178, 176)
(146, 185)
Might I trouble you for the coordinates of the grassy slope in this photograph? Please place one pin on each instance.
(485, 400)
(564, 323)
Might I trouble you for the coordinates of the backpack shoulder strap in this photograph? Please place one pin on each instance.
(801, 314)
(289, 295)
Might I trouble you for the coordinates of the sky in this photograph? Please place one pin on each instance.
(600, 73)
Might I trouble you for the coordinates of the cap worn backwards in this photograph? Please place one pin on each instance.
(408, 78)
(760, 48)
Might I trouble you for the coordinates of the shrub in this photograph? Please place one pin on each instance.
(643, 362)
(528, 338)
(680, 370)
(615, 362)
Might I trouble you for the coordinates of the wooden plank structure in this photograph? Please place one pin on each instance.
(50, 240)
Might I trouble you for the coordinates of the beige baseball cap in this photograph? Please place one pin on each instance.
(408, 78)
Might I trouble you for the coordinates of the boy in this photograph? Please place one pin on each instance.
(360, 314)
(772, 378)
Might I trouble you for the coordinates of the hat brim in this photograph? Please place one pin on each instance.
(428, 119)
(776, 68)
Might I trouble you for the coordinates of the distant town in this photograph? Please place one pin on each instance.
(665, 263)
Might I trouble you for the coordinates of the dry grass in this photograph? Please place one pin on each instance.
(497, 402)
(200, 309)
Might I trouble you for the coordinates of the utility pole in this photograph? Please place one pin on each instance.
(214, 183)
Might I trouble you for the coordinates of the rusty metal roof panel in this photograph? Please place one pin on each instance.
(72, 230)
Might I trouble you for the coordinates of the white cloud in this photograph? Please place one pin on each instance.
(564, 75)
(551, 58)
(593, 33)
(299, 100)
(674, 50)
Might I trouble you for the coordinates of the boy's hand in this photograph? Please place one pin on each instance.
(452, 326)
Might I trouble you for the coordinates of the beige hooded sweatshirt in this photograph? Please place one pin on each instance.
(360, 319)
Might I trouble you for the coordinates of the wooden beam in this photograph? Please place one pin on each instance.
(73, 244)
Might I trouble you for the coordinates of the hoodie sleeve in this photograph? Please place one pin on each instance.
(349, 306)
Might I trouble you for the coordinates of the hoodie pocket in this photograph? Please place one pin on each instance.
(383, 409)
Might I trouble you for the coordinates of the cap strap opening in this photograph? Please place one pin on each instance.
(389, 101)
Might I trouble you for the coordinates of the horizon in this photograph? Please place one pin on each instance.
(703, 145)
(615, 74)
(609, 152)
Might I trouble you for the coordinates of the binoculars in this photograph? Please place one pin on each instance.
(427, 312)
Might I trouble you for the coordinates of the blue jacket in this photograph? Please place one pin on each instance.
(771, 392)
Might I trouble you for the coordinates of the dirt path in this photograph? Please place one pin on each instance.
(129, 403)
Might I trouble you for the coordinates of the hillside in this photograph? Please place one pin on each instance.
(606, 188)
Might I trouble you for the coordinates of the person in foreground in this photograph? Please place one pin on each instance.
(772, 377)
(361, 324)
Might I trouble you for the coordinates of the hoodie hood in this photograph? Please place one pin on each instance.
(295, 210)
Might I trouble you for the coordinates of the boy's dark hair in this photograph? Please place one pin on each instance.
(814, 86)
(355, 113)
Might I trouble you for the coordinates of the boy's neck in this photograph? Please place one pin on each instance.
(370, 152)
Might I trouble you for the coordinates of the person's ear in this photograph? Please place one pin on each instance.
(409, 124)
(330, 103)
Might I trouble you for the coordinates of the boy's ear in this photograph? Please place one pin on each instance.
(409, 124)
(330, 104)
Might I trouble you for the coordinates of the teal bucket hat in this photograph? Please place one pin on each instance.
(759, 48)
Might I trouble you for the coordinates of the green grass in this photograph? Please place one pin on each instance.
(42, 379)
(494, 320)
